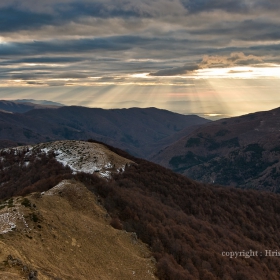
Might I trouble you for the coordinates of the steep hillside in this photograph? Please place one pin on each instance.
(64, 233)
(194, 231)
(142, 132)
(242, 151)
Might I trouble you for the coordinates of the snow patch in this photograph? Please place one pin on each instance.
(80, 156)
(105, 174)
(8, 220)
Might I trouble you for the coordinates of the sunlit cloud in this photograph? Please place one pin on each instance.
(206, 57)
(240, 72)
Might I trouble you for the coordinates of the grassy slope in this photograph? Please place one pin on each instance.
(72, 239)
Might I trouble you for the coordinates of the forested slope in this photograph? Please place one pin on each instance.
(188, 225)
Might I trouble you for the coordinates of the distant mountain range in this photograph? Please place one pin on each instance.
(40, 102)
(56, 212)
(241, 151)
(25, 105)
(142, 132)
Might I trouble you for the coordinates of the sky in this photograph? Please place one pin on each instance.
(213, 58)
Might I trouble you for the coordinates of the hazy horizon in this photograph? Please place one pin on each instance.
(201, 114)
(198, 57)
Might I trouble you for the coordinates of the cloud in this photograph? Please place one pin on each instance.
(13, 19)
(26, 76)
(99, 9)
(214, 61)
(176, 71)
(35, 83)
(196, 6)
(235, 59)
(254, 30)
(239, 71)
(30, 15)
(231, 6)
(46, 60)
(70, 39)
(71, 75)
(69, 46)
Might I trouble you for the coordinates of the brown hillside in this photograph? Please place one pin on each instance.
(65, 234)
(188, 225)
(242, 151)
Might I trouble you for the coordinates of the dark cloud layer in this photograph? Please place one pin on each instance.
(43, 42)
(68, 46)
(52, 59)
(214, 61)
(231, 6)
(97, 9)
(13, 19)
(176, 71)
(112, 43)
(196, 6)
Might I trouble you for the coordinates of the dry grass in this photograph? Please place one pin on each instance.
(69, 237)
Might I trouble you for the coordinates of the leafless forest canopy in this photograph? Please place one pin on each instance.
(187, 224)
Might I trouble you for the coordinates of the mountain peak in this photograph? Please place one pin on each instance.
(80, 156)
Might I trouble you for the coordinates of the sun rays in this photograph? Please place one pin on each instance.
(209, 92)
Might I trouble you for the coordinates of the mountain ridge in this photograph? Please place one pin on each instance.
(136, 130)
(64, 233)
(25, 105)
(240, 151)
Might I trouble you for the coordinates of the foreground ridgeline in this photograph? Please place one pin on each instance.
(65, 233)
(194, 231)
